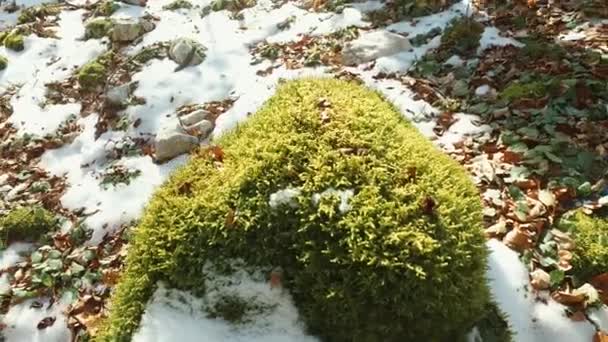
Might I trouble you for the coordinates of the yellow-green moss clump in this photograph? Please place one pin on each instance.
(13, 41)
(590, 236)
(30, 14)
(26, 224)
(94, 73)
(98, 28)
(402, 260)
(3, 62)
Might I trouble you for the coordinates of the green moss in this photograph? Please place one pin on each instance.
(14, 41)
(106, 8)
(494, 326)
(26, 224)
(515, 91)
(462, 37)
(30, 14)
(405, 262)
(3, 62)
(94, 73)
(98, 28)
(177, 4)
(591, 240)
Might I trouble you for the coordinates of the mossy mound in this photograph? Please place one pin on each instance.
(98, 28)
(26, 224)
(33, 13)
(517, 91)
(14, 41)
(378, 234)
(94, 73)
(590, 236)
(3, 62)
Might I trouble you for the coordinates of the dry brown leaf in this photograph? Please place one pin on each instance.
(541, 280)
(518, 239)
(600, 336)
(567, 298)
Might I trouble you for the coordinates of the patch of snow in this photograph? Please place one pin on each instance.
(424, 25)
(367, 6)
(344, 196)
(284, 196)
(22, 320)
(13, 254)
(81, 162)
(174, 315)
(491, 37)
(454, 61)
(46, 60)
(465, 125)
(530, 319)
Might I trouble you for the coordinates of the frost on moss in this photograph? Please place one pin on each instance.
(94, 73)
(408, 253)
(98, 28)
(26, 224)
(590, 236)
(178, 4)
(14, 41)
(3, 62)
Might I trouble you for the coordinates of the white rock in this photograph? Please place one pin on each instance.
(372, 45)
(202, 128)
(194, 117)
(16, 191)
(482, 90)
(3, 179)
(454, 61)
(181, 49)
(126, 30)
(172, 141)
(119, 95)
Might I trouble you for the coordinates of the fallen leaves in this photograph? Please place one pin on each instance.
(45, 323)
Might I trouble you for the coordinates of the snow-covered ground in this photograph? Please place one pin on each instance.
(226, 73)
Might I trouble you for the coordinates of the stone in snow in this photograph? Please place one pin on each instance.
(187, 52)
(201, 128)
(126, 30)
(118, 96)
(194, 117)
(173, 140)
(372, 45)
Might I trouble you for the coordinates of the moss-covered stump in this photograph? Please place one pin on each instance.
(400, 258)
(26, 224)
(590, 234)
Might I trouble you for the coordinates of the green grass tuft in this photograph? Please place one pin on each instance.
(591, 244)
(404, 261)
(26, 224)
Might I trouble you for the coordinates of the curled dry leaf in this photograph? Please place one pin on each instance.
(600, 336)
(600, 282)
(45, 323)
(567, 298)
(540, 279)
(496, 229)
(518, 239)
